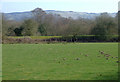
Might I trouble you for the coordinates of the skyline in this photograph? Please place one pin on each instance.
(90, 6)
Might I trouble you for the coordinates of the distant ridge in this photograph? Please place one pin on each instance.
(19, 16)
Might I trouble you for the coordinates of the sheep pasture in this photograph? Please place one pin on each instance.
(68, 61)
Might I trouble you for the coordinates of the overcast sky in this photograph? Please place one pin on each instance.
(95, 6)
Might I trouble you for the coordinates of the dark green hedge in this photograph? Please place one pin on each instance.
(87, 38)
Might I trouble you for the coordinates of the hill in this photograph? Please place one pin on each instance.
(18, 16)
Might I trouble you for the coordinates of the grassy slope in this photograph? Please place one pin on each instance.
(45, 61)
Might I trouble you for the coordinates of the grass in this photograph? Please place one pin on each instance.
(48, 37)
(46, 61)
(44, 37)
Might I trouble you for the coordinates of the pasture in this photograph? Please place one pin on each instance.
(60, 61)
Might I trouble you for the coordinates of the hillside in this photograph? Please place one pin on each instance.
(18, 16)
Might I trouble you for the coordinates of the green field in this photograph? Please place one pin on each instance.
(60, 61)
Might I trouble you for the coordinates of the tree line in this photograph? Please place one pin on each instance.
(42, 24)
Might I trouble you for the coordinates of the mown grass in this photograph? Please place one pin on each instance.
(58, 61)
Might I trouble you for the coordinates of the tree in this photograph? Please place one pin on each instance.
(18, 31)
(118, 24)
(8, 26)
(42, 29)
(100, 32)
(10, 31)
(29, 27)
(4, 25)
(104, 26)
